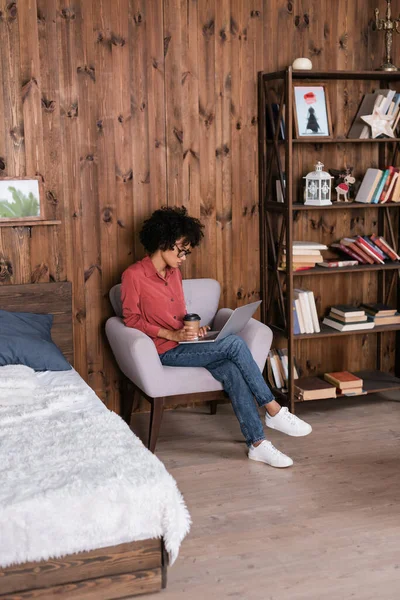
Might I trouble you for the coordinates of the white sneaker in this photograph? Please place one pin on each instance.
(288, 423)
(267, 453)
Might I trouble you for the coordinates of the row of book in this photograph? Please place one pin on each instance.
(372, 249)
(388, 103)
(380, 186)
(305, 255)
(343, 317)
(278, 368)
(305, 316)
(339, 383)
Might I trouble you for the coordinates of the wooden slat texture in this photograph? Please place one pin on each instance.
(124, 106)
(44, 298)
(114, 560)
(102, 588)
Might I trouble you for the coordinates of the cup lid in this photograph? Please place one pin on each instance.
(191, 317)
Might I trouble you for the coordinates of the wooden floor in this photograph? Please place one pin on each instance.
(326, 529)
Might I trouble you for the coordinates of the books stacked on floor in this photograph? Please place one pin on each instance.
(344, 317)
(382, 314)
(388, 103)
(278, 368)
(346, 383)
(367, 249)
(305, 255)
(380, 186)
(313, 388)
(305, 316)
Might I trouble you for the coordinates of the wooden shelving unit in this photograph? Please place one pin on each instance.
(279, 221)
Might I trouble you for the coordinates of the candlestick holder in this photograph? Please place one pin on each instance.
(387, 25)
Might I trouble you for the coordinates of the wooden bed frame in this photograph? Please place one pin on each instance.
(102, 574)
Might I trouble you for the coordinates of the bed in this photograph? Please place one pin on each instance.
(86, 511)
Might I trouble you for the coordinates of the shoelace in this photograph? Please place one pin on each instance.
(288, 416)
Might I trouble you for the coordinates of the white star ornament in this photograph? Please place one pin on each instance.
(379, 124)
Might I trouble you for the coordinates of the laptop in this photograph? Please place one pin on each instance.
(238, 319)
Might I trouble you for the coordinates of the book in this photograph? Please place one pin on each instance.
(368, 186)
(296, 324)
(392, 182)
(383, 245)
(310, 246)
(336, 324)
(301, 252)
(379, 187)
(377, 250)
(343, 380)
(378, 309)
(395, 197)
(279, 193)
(382, 197)
(363, 245)
(299, 315)
(393, 320)
(313, 310)
(305, 258)
(305, 310)
(349, 251)
(347, 318)
(275, 370)
(330, 264)
(350, 391)
(351, 243)
(313, 388)
(347, 310)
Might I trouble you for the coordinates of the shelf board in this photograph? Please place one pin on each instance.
(330, 332)
(347, 141)
(281, 206)
(354, 269)
(374, 382)
(350, 75)
(27, 223)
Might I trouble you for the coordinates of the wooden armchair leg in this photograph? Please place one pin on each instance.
(156, 414)
(127, 398)
(213, 407)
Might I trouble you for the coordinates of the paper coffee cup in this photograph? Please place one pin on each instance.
(192, 320)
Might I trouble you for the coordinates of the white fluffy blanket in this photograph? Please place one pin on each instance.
(75, 478)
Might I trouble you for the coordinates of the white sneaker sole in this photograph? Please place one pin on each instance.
(292, 434)
(271, 465)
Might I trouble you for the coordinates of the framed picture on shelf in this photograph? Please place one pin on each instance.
(20, 199)
(312, 115)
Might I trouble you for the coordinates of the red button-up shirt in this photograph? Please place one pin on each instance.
(150, 302)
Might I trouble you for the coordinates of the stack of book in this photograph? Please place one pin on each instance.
(372, 249)
(313, 388)
(305, 255)
(305, 316)
(278, 368)
(388, 103)
(346, 383)
(382, 314)
(344, 317)
(380, 186)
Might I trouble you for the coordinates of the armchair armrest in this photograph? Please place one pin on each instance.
(258, 338)
(136, 355)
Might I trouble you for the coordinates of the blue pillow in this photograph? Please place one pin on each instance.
(25, 339)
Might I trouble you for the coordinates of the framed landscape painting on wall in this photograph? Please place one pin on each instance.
(20, 199)
(311, 112)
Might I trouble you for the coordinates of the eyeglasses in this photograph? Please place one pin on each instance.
(182, 252)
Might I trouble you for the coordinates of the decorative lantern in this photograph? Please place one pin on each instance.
(318, 187)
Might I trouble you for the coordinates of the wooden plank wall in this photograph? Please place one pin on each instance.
(122, 106)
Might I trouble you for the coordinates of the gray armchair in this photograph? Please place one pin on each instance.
(138, 359)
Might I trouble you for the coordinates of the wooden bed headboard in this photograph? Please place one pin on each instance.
(44, 298)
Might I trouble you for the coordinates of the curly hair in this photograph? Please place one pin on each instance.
(167, 225)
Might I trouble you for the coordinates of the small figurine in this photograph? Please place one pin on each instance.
(343, 183)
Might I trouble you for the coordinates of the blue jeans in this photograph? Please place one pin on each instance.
(230, 362)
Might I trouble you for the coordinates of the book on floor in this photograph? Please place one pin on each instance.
(343, 380)
(314, 388)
